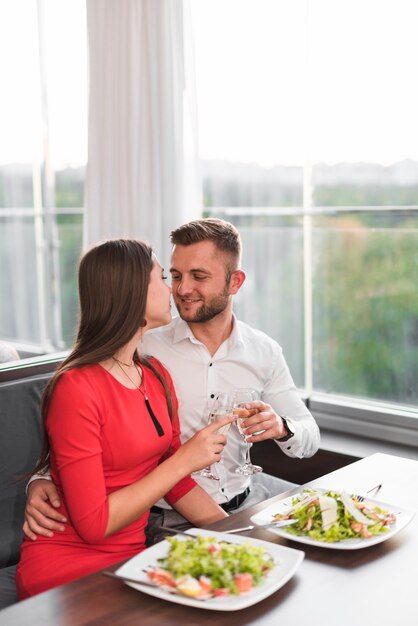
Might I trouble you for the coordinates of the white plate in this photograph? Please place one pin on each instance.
(403, 517)
(287, 562)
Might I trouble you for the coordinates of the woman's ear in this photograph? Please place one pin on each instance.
(236, 281)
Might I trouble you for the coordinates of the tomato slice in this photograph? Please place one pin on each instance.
(214, 549)
(161, 577)
(222, 591)
(205, 584)
(244, 582)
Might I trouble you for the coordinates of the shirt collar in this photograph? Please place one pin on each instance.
(236, 335)
(182, 331)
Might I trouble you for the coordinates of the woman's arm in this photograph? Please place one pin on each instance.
(76, 418)
(203, 449)
(199, 508)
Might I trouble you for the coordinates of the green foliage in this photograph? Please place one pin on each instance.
(365, 268)
(70, 229)
(69, 188)
(365, 195)
(365, 316)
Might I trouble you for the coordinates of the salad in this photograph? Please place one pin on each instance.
(204, 567)
(333, 517)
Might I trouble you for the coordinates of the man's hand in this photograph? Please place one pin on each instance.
(41, 518)
(265, 422)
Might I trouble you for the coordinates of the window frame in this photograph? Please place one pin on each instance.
(369, 418)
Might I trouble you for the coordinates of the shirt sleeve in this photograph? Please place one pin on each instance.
(74, 427)
(46, 476)
(187, 483)
(280, 392)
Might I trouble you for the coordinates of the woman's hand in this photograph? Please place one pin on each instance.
(41, 518)
(205, 447)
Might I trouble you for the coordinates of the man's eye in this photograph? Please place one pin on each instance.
(175, 277)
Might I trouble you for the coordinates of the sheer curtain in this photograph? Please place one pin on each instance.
(142, 168)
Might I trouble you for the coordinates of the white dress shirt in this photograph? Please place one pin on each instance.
(248, 358)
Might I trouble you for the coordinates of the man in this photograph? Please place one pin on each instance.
(207, 350)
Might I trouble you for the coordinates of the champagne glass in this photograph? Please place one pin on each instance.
(221, 407)
(240, 397)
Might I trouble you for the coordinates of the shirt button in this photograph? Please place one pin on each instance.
(212, 395)
(222, 489)
(288, 447)
(210, 364)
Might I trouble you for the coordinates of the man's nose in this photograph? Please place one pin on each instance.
(183, 287)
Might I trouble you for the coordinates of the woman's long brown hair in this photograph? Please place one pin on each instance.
(113, 279)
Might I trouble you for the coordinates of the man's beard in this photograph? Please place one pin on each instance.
(208, 311)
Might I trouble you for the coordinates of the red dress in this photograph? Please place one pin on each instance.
(102, 439)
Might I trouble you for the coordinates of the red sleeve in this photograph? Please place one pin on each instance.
(187, 483)
(74, 428)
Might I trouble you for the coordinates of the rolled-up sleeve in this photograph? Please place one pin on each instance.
(280, 392)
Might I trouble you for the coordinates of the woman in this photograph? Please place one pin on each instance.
(111, 426)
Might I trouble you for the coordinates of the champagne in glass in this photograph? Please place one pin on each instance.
(221, 407)
(240, 398)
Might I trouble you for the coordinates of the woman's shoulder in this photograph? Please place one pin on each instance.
(85, 376)
(79, 391)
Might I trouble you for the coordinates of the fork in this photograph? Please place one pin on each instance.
(362, 498)
(136, 581)
(278, 524)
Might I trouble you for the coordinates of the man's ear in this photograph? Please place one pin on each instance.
(236, 282)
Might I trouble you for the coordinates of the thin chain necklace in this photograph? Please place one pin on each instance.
(140, 374)
(122, 363)
(141, 387)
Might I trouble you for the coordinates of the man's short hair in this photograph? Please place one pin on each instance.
(223, 234)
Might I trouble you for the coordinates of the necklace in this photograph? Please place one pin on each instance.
(155, 421)
(122, 363)
(141, 377)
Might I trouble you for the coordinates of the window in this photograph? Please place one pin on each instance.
(308, 140)
(309, 143)
(43, 125)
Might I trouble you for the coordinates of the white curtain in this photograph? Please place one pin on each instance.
(142, 176)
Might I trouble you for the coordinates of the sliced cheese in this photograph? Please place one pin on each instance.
(189, 586)
(307, 499)
(353, 510)
(329, 511)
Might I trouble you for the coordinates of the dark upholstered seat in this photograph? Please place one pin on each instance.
(20, 442)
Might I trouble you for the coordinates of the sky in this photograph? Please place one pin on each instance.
(21, 136)
(352, 97)
(267, 91)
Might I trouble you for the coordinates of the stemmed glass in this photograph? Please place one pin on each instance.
(221, 407)
(240, 397)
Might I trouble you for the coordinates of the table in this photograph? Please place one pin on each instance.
(374, 586)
